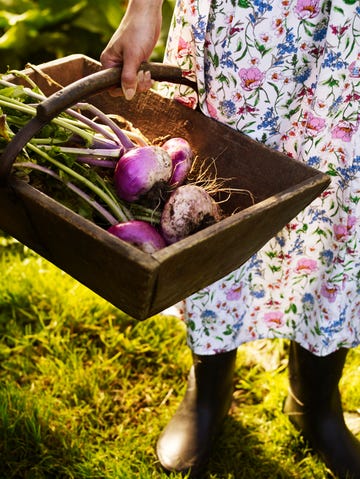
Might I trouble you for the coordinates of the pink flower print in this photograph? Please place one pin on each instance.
(254, 61)
(354, 69)
(306, 265)
(278, 26)
(307, 8)
(234, 293)
(352, 97)
(229, 19)
(246, 109)
(234, 30)
(265, 37)
(183, 48)
(314, 124)
(274, 318)
(329, 291)
(251, 78)
(344, 130)
(211, 109)
(351, 222)
(340, 232)
(189, 101)
(277, 76)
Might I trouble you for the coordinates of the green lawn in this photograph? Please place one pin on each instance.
(85, 389)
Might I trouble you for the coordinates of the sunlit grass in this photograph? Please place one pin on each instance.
(85, 390)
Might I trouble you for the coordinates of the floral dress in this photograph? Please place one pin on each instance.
(286, 73)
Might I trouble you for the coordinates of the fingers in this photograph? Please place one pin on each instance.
(129, 78)
(133, 81)
(144, 81)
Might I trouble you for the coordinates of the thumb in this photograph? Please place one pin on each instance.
(129, 78)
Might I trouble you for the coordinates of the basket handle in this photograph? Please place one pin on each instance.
(73, 93)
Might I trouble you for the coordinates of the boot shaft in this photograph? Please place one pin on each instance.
(213, 376)
(313, 379)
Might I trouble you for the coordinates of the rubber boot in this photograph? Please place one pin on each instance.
(185, 444)
(314, 407)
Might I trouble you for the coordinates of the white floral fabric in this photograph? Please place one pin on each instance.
(286, 73)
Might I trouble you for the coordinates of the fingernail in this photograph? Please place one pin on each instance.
(129, 93)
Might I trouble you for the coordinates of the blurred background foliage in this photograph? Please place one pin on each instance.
(40, 31)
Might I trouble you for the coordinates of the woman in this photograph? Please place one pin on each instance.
(286, 73)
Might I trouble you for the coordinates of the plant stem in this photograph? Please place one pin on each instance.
(124, 140)
(100, 209)
(30, 110)
(97, 162)
(120, 135)
(103, 152)
(120, 212)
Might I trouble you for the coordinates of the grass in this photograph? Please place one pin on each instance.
(85, 390)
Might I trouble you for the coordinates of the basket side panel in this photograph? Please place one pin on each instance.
(15, 221)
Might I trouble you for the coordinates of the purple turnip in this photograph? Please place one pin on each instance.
(140, 234)
(189, 209)
(181, 156)
(143, 172)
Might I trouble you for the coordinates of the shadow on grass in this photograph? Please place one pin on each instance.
(239, 454)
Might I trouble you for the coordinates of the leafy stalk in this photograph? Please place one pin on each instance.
(118, 136)
(93, 203)
(120, 212)
(124, 140)
(30, 110)
(111, 153)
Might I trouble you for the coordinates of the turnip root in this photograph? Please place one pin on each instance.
(189, 209)
(181, 156)
(140, 234)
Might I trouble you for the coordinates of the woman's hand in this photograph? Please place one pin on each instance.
(133, 43)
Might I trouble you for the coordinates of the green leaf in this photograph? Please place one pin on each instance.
(191, 324)
(303, 229)
(292, 308)
(331, 82)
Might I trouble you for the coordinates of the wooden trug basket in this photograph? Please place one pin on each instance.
(143, 284)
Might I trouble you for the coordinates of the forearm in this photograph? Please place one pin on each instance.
(143, 20)
(144, 6)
